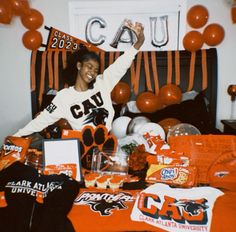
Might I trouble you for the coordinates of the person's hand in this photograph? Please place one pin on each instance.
(139, 31)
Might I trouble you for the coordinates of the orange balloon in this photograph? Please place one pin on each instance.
(197, 16)
(167, 123)
(233, 14)
(5, 12)
(232, 91)
(32, 39)
(20, 7)
(148, 102)
(33, 20)
(170, 94)
(121, 93)
(193, 41)
(213, 34)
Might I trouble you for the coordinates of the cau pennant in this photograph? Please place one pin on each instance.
(61, 41)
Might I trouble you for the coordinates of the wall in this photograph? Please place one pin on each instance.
(15, 101)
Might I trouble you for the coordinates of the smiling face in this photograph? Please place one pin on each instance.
(88, 70)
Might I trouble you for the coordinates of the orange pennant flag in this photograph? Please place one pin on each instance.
(60, 41)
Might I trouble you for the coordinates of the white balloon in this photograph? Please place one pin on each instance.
(136, 123)
(119, 126)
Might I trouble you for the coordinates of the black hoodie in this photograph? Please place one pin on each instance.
(36, 203)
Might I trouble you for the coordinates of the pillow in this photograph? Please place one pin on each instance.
(192, 111)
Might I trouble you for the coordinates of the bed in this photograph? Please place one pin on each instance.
(103, 210)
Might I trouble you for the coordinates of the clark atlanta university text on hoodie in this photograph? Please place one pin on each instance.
(35, 203)
(91, 107)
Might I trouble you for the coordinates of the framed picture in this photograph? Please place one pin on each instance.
(61, 156)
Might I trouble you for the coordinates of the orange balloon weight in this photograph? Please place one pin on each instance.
(121, 93)
(20, 7)
(193, 41)
(213, 34)
(167, 123)
(170, 94)
(32, 40)
(33, 20)
(232, 91)
(197, 16)
(148, 102)
(5, 12)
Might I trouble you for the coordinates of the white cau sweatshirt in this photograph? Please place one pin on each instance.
(91, 107)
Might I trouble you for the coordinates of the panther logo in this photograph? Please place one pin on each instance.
(97, 116)
(103, 202)
(104, 207)
(192, 207)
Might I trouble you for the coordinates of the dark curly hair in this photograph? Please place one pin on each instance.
(69, 74)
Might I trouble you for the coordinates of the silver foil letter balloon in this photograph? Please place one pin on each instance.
(159, 31)
(118, 36)
(88, 31)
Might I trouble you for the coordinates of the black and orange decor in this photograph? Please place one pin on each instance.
(149, 72)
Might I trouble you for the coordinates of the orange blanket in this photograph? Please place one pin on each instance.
(114, 213)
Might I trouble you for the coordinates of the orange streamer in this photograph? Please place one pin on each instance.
(117, 54)
(192, 70)
(111, 57)
(147, 71)
(42, 78)
(135, 73)
(102, 60)
(64, 59)
(177, 68)
(169, 67)
(56, 66)
(50, 69)
(204, 69)
(154, 70)
(32, 70)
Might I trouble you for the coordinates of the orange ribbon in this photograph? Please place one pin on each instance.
(192, 70)
(169, 67)
(177, 68)
(204, 69)
(155, 73)
(147, 71)
(42, 77)
(32, 70)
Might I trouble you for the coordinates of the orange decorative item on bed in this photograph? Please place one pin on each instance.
(203, 150)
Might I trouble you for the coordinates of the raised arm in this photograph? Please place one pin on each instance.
(139, 31)
(117, 70)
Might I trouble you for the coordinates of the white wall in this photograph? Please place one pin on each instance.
(15, 99)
